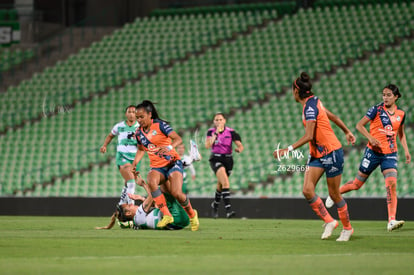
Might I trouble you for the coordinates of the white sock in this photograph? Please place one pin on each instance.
(130, 188)
(124, 196)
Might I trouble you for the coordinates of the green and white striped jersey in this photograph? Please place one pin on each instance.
(127, 144)
(147, 221)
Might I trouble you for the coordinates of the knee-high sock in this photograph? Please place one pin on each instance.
(130, 186)
(226, 199)
(343, 214)
(352, 184)
(391, 186)
(160, 202)
(124, 196)
(217, 198)
(319, 208)
(188, 208)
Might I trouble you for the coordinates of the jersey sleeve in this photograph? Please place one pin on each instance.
(165, 128)
(235, 136)
(372, 112)
(137, 133)
(403, 120)
(210, 133)
(114, 130)
(311, 110)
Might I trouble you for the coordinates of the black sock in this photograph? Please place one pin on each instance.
(226, 199)
(217, 199)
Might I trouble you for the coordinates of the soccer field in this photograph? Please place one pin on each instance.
(71, 245)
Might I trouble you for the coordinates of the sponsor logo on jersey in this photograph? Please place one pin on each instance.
(387, 131)
(310, 111)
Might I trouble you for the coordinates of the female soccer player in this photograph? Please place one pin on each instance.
(386, 122)
(326, 156)
(158, 139)
(126, 150)
(220, 140)
(145, 216)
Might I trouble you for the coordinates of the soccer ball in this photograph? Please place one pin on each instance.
(125, 225)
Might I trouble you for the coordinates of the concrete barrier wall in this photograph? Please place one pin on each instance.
(268, 208)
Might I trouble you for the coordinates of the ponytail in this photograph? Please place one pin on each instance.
(303, 85)
(149, 107)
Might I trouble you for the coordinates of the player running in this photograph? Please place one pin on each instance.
(326, 156)
(158, 139)
(125, 151)
(386, 122)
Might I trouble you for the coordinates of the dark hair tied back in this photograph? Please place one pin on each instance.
(120, 213)
(130, 106)
(304, 85)
(149, 107)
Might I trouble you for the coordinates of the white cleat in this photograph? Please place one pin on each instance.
(329, 202)
(345, 235)
(329, 228)
(194, 154)
(393, 224)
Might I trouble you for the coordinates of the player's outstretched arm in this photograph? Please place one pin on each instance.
(335, 119)
(308, 136)
(110, 225)
(403, 140)
(107, 140)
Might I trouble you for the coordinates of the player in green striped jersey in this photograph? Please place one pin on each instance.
(145, 215)
(126, 150)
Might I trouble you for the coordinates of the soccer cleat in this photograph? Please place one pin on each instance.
(329, 228)
(230, 214)
(194, 222)
(214, 210)
(345, 235)
(329, 202)
(393, 224)
(165, 221)
(194, 154)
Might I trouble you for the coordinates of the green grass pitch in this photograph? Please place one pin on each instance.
(71, 245)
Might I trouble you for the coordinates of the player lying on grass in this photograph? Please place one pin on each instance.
(145, 215)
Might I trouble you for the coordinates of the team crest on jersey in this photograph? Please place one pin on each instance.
(398, 118)
(154, 133)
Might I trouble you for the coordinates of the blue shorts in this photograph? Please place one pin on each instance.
(167, 170)
(333, 163)
(372, 159)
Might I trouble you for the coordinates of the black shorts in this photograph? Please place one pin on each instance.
(218, 160)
